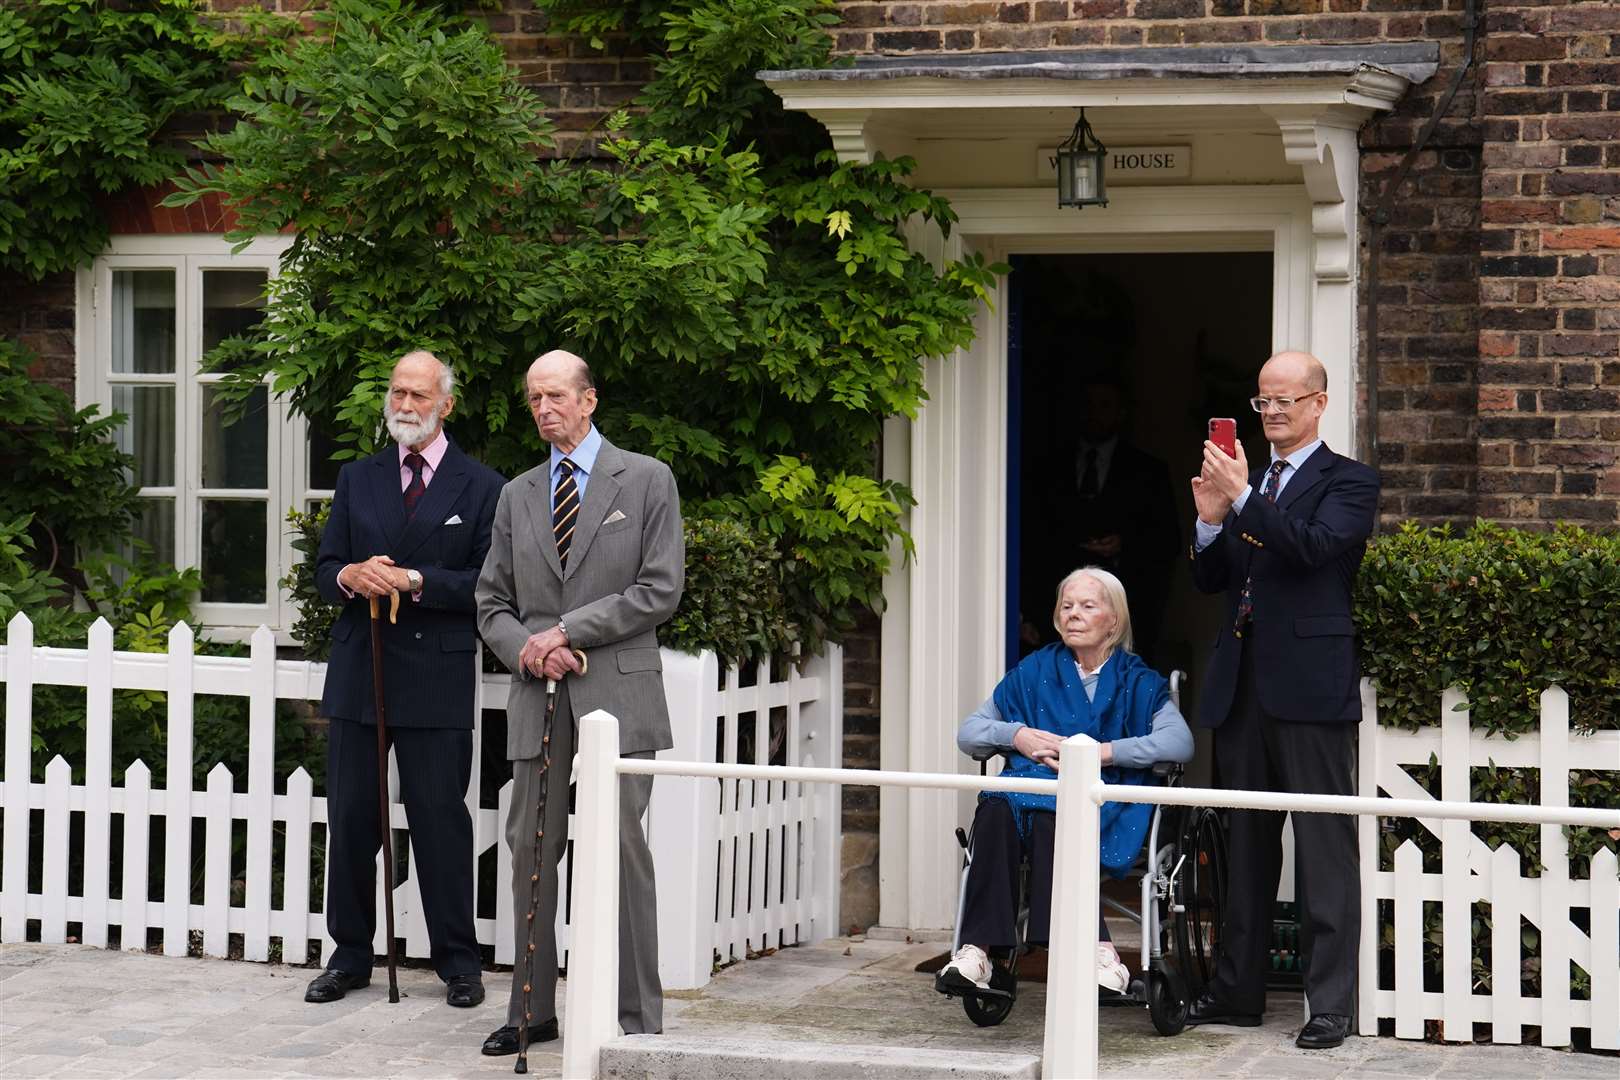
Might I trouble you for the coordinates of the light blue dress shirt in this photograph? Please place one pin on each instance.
(584, 459)
(1207, 532)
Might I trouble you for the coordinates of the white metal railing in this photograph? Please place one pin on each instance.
(1070, 1049)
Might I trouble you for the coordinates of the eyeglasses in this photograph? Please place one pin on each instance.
(1281, 404)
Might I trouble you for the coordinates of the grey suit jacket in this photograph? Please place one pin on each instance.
(624, 578)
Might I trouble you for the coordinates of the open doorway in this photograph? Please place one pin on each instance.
(1117, 362)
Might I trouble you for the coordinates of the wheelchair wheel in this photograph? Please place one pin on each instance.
(1167, 1002)
(987, 1010)
(1200, 893)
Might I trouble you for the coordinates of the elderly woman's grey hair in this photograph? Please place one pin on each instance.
(1113, 593)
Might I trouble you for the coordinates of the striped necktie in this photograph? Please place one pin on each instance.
(1245, 608)
(564, 510)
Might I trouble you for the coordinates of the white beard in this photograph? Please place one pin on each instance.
(406, 428)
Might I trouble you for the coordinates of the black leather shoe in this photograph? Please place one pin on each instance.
(504, 1040)
(332, 984)
(1208, 1010)
(1324, 1032)
(465, 991)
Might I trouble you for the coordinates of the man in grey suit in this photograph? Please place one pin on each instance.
(586, 557)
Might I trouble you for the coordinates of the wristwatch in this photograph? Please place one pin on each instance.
(414, 578)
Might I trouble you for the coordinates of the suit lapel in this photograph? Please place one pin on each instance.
(387, 497)
(539, 506)
(449, 479)
(601, 491)
(1310, 474)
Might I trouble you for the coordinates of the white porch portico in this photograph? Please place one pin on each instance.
(1272, 132)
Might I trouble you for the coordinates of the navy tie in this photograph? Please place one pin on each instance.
(564, 510)
(1245, 608)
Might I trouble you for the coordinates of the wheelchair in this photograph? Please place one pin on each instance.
(1182, 873)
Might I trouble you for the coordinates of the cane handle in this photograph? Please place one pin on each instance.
(393, 606)
(579, 655)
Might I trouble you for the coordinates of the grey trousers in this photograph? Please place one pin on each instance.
(641, 995)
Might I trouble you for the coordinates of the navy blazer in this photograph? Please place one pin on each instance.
(1302, 554)
(428, 656)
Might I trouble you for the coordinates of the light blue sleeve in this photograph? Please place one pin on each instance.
(1169, 740)
(984, 734)
(1206, 533)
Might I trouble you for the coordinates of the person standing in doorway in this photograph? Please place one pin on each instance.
(1283, 543)
(415, 520)
(587, 557)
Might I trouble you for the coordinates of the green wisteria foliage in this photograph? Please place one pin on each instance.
(748, 303)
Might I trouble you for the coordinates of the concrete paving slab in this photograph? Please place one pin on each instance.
(75, 1011)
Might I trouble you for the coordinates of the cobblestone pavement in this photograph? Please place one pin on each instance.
(74, 1011)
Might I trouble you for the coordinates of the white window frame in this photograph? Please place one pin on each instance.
(189, 255)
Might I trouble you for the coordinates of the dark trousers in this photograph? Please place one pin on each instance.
(434, 767)
(1257, 752)
(990, 907)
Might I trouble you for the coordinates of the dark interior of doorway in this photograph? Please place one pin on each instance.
(1173, 339)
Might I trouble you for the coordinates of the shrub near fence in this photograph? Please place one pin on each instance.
(1502, 616)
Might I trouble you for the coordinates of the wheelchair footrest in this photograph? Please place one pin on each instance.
(955, 984)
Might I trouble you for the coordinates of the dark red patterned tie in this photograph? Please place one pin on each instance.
(413, 491)
(1245, 608)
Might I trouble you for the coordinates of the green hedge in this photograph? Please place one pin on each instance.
(1502, 614)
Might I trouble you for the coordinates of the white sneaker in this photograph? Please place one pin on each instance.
(1111, 974)
(970, 963)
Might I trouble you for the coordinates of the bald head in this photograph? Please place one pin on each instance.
(1299, 367)
(1299, 379)
(562, 397)
(560, 363)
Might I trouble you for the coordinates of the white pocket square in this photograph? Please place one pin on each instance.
(453, 519)
(617, 515)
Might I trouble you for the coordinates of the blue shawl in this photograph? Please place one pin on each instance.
(1045, 691)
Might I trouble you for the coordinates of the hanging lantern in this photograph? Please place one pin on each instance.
(1080, 168)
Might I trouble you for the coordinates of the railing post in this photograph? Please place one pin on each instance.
(1071, 982)
(590, 1017)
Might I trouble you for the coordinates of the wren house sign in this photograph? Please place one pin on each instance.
(1127, 163)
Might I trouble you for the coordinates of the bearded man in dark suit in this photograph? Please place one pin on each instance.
(414, 520)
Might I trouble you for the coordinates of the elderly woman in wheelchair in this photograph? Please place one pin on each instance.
(1090, 682)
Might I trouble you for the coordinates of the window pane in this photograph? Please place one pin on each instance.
(154, 524)
(148, 433)
(233, 550)
(143, 321)
(233, 302)
(235, 449)
(322, 469)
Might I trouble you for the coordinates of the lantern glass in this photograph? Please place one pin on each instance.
(1080, 163)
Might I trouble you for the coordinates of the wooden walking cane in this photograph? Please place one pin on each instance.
(386, 827)
(522, 1064)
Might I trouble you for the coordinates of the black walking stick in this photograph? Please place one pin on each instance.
(382, 784)
(522, 1064)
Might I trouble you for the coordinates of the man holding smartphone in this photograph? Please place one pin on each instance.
(1284, 542)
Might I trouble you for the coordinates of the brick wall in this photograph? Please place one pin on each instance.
(946, 25)
(1549, 289)
(39, 314)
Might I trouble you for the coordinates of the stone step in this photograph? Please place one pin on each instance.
(673, 1057)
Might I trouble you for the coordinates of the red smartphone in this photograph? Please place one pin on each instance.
(1223, 433)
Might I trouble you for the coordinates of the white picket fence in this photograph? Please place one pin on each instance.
(1472, 873)
(740, 866)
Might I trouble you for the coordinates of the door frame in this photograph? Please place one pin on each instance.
(944, 617)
